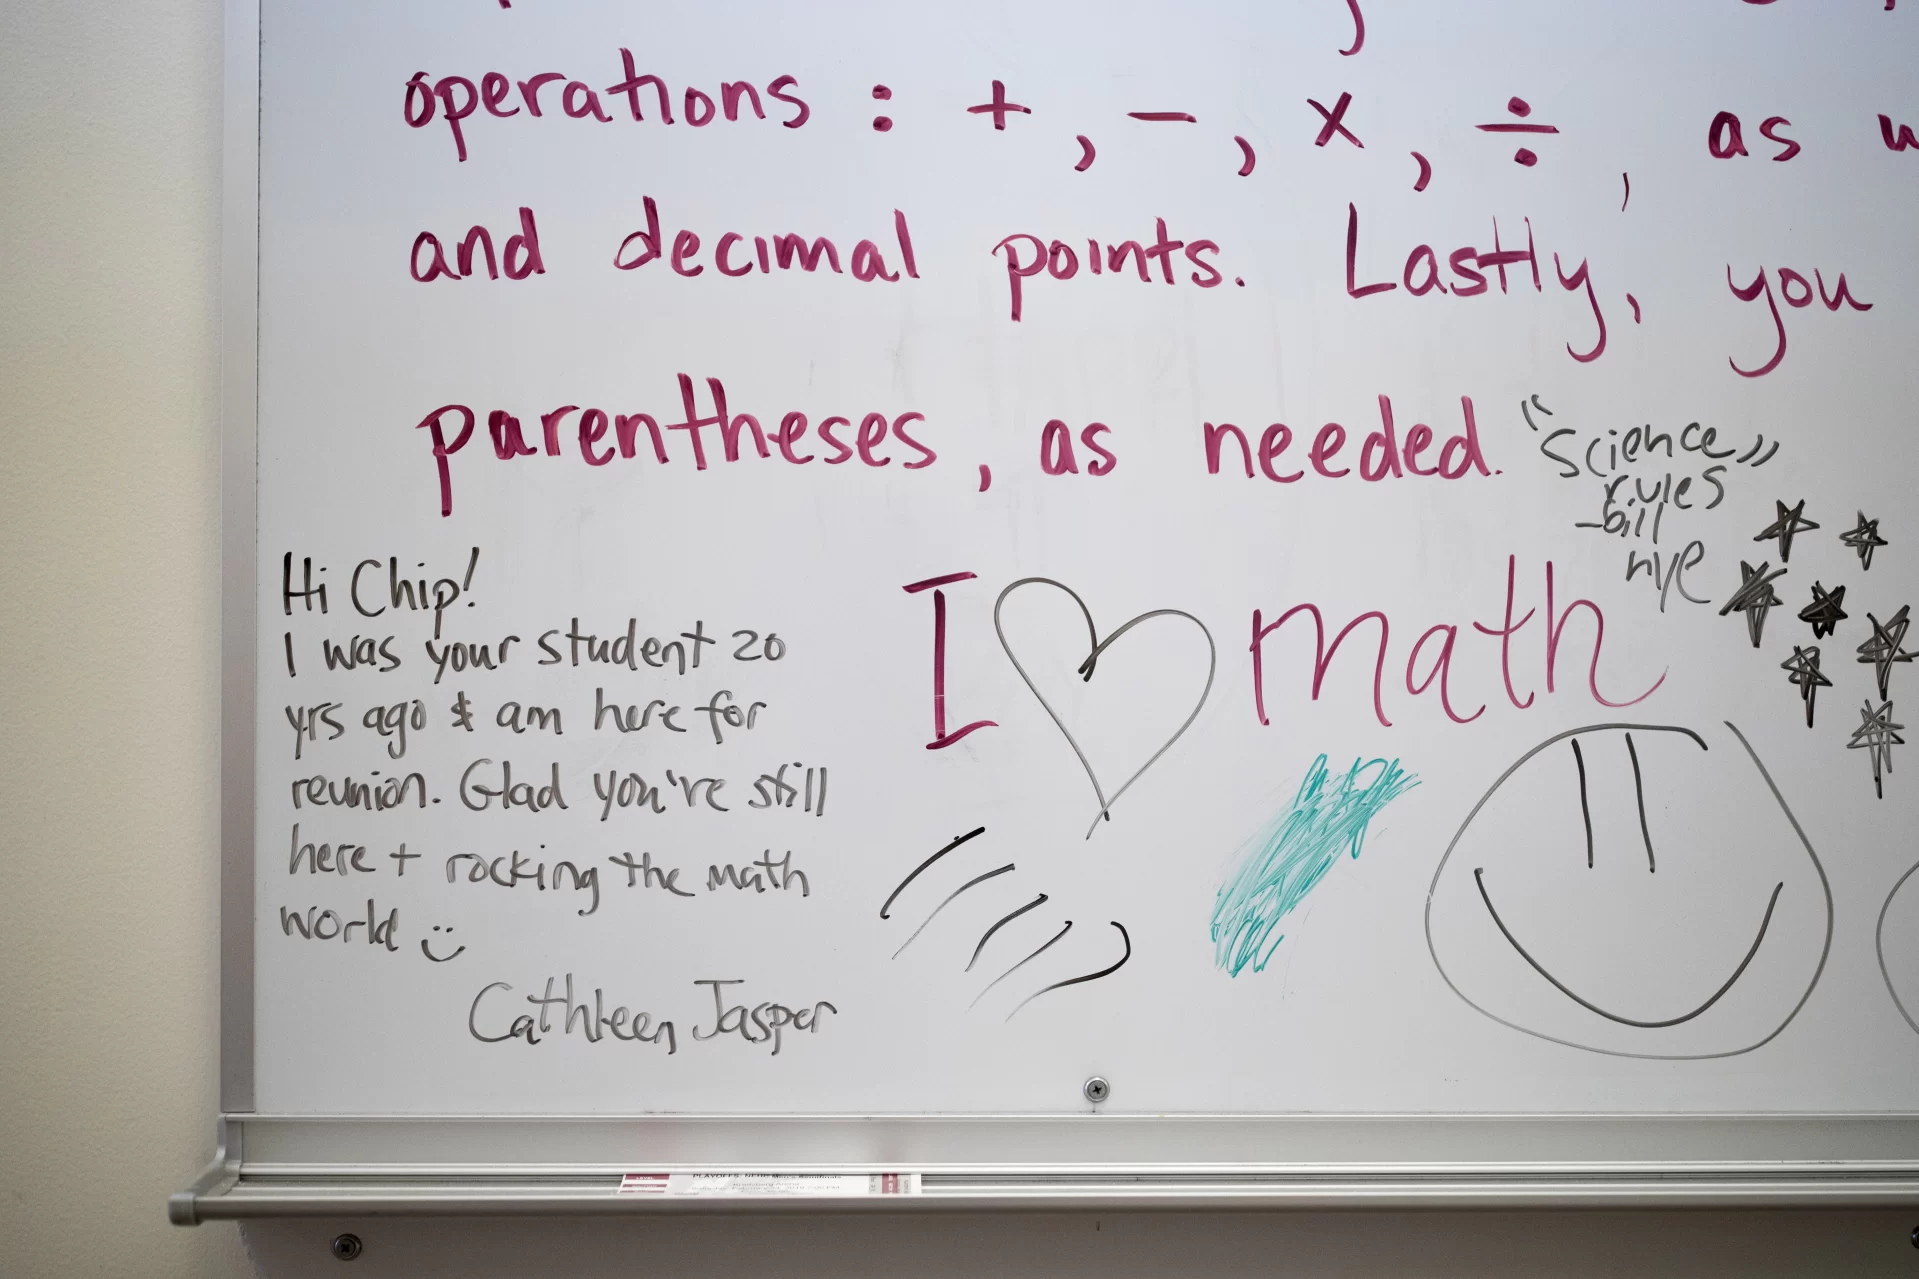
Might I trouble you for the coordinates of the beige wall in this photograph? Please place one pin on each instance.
(109, 173)
(109, 127)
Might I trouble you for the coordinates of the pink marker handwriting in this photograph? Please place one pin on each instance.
(1382, 454)
(455, 100)
(600, 437)
(1442, 638)
(1798, 293)
(1468, 265)
(1028, 256)
(732, 257)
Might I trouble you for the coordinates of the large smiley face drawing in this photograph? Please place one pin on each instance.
(1636, 890)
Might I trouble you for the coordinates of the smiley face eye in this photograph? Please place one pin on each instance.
(1639, 795)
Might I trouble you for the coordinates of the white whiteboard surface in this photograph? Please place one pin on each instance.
(1764, 850)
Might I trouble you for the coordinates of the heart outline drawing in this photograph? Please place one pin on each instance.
(1085, 672)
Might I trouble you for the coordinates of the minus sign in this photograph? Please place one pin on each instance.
(1179, 116)
(1516, 128)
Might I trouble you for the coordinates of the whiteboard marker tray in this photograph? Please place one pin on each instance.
(310, 1166)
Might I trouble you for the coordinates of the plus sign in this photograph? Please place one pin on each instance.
(999, 106)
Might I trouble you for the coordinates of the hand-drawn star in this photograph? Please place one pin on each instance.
(1755, 595)
(1878, 734)
(1883, 649)
(1790, 520)
(1824, 612)
(1804, 665)
(1863, 537)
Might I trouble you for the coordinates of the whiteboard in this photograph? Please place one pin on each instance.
(1241, 561)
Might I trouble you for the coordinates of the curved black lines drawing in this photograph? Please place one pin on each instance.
(976, 831)
(1086, 670)
(1825, 887)
(1479, 877)
(1022, 963)
(1107, 971)
(1003, 920)
(1010, 917)
(1879, 948)
(976, 880)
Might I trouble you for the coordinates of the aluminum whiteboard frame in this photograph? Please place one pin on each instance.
(288, 1165)
(239, 539)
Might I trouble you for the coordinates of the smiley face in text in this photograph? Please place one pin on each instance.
(427, 950)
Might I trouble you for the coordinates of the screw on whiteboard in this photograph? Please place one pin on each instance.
(1915, 1236)
(345, 1247)
(1098, 1090)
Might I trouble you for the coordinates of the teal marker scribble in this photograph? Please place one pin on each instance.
(1292, 855)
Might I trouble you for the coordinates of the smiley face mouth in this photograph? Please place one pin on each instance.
(436, 958)
(1479, 878)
